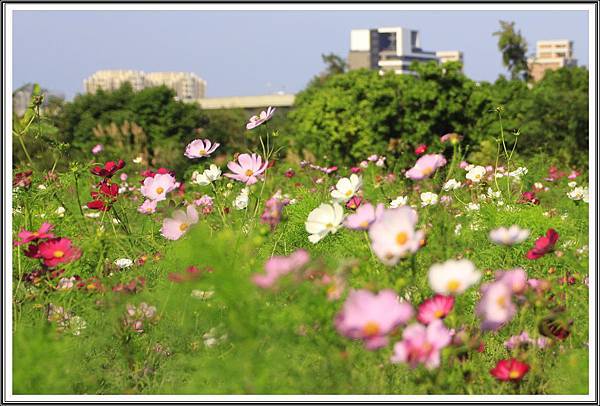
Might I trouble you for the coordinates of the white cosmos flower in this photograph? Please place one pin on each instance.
(137, 160)
(493, 194)
(241, 200)
(453, 276)
(60, 212)
(476, 174)
(473, 206)
(517, 173)
(579, 193)
(538, 185)
(325, 219)
(509, 236)
(572, 184)
(451, 185)
(399, 201)
(123, 262)
(428, 199)
(346, 188)
(208, 176)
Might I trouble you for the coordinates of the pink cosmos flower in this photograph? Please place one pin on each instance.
(509, 370)
(264, 116)
(157, 187)
(422, 345)
(200, 149)
(435, 308)
(173, 228)
(573, 174)
(426, 166)
(279, 266)
(543, 245)
(248, 169)
(57, 251)
(463, 164)
(148, 207)
(371, 317)
(421, 149)
(365, 215)
(495, 307)
(97, 149)
(123, 177)
(273, 211)
(393, 235)
(354, 202)
(452, 137)
(515, 279)
(205, 200)
(30, 236)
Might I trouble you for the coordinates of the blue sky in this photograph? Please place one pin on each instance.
(254, 52)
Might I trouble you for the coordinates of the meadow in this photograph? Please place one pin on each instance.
(252, 274)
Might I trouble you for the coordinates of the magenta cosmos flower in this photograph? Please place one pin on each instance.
(173, 228)
(371, 317)
(426, 166)
(422, 345)
(57, 251)
(248, 169)
(264, 116)
(365, 215)
(509, 370)
(543, 245)
(157, 187)
(279, 266)
(435, 308)
(30, 236)
(200, 149)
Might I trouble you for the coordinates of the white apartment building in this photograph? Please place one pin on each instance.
(186, 85)
(449, 56)
(551, 54)
(390, 48)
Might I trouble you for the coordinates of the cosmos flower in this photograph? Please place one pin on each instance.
(476, 174)
(264, 116)
(323, 220)
(200, 149)
(247, 169)
(365, 215)
(371, 317)
(173, 228)
(97, 149)
(420, 149)
(451, 184)
(509, 236)
(435, 308)
(57, 251)
(453, 276)
(495, 307)
(428, 199)
(399, 202)
(148, 207)
(109, 168)
(509, 370)
(26, 237)
(543, 245)
(346, 188)
(279, 266)
(157, 187)
(426, 166)
(393, 235)
(452, 137)
(422, 345)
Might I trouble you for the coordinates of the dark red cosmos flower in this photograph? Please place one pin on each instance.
(148, 173)
(356, 169)
(191, 273)
(421, 149)
(271, 164)
(556, 325)
(22, 179)
(57, 251)
(289, 173)
(543, 245)
(31, 236)
(529, 197)
(106, 195)
(109, 169)
(509, 370)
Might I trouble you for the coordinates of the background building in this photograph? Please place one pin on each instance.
(551, 54)
(449, 56)
(187, 86)
(393, 48)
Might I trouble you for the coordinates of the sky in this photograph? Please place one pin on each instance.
(243, 53)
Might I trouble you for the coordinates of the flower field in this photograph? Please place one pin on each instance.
(253, 274)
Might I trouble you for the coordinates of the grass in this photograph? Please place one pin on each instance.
(282, 341)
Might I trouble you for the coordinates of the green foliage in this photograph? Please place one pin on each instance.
(514, 50)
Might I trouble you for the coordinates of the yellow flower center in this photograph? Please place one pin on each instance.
(249, 172)
(58, 254)
(159, 190)
(513, 374)
(364, 224)
(371, 329)
(328, 225)
(202, 152)
(349, 193)
(35, 234)
(427, 171)
(501, 301)
(401, 238)
(438, 314)
(183, 226)
(453, 285)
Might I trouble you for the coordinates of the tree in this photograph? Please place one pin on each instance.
(335, 64)
(514, 50)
